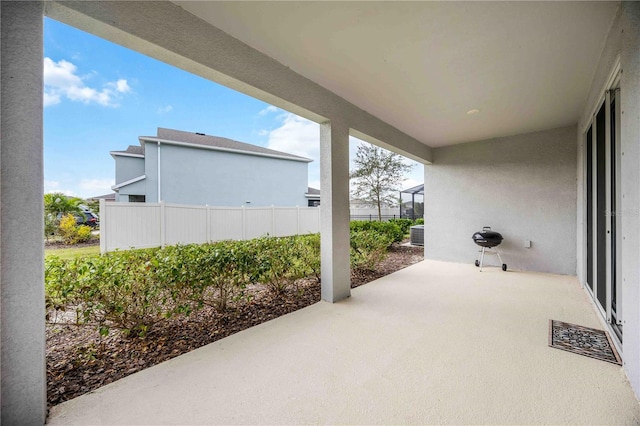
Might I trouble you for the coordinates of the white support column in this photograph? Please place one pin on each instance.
(334, 211)
(22, 335)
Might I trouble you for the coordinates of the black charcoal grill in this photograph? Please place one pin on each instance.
(488, 240)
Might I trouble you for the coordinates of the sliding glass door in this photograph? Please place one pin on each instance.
(602, 165)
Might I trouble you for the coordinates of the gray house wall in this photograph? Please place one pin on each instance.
(128, 168)
(136, 188)
(623, 42)
(151, 171)
(522, 186)
(221, 178)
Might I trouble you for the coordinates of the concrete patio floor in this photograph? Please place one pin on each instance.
(435, 343)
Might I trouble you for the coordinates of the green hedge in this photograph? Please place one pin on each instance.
(391, 229)
(404, 224)
(134, 290)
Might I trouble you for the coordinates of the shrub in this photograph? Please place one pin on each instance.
(404, 224)
(50, 225)
(368, 248)
(117, 289)
(390, 229)
(72, 233)
(420, 221)
(310, 254)
(136, 290)
(279, 262)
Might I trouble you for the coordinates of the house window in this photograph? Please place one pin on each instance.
(137, 198)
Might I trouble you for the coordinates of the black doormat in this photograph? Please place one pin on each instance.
(582, 341)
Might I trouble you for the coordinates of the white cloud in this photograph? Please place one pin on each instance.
(299, 136)
(54, 186)
(269, 109)
(165, 109)
(61, 80)
(122, 86)
(92, 187)
(50, 99)
(51, 185)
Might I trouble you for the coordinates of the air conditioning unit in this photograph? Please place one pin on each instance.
(417, 235)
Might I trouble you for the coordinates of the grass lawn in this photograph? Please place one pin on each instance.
(72, 252)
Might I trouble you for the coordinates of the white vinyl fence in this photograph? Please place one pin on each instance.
(372, 213)
(142, 225)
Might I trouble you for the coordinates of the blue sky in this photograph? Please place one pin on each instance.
(100, 97)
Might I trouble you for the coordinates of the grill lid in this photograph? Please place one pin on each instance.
(487, 238)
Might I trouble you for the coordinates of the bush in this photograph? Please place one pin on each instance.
(72, 233)
(404, 224)
(368, 248)
(420, 221)
(390, 229)
(310, 254)
(136, 290)
(108, 290)
(279, 262)
(50, 225)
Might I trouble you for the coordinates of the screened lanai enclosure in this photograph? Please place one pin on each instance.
(412, 202)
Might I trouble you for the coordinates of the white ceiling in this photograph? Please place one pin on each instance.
(420, 66)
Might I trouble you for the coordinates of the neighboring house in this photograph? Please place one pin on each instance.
(107, 197)
(313, 197)
(194, 168)
(364, 204)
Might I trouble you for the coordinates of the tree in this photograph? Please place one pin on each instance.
(56, 205)
(377, 175)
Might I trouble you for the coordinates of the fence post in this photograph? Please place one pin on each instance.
(102, 213)
(208, 224)
(163, 225)
(244, 223)
(273, 221)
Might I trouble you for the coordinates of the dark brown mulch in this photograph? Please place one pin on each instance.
(79, 361)
(56, 244)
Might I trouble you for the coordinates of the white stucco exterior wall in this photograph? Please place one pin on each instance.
(623, 43)
(522, 186)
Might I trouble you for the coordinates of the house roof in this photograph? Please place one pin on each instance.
(419, 189)
(108, 197)
(313, 191)
(131, 151)
(215, 142)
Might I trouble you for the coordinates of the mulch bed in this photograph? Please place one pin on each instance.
(79, 361)
(59, 244)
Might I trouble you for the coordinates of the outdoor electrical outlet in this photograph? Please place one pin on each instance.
(527, 244)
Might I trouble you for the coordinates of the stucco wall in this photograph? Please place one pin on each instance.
(217, 178)
(128, 168)
(522, 186)
(136, 188)
(623, 42)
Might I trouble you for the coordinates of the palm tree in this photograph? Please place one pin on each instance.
(57, 205)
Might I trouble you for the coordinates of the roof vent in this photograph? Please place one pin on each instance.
(201, 134)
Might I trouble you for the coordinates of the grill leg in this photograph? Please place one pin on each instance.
(499, 258)
(482, 258)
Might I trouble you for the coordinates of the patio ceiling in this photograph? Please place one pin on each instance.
(526, 66)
